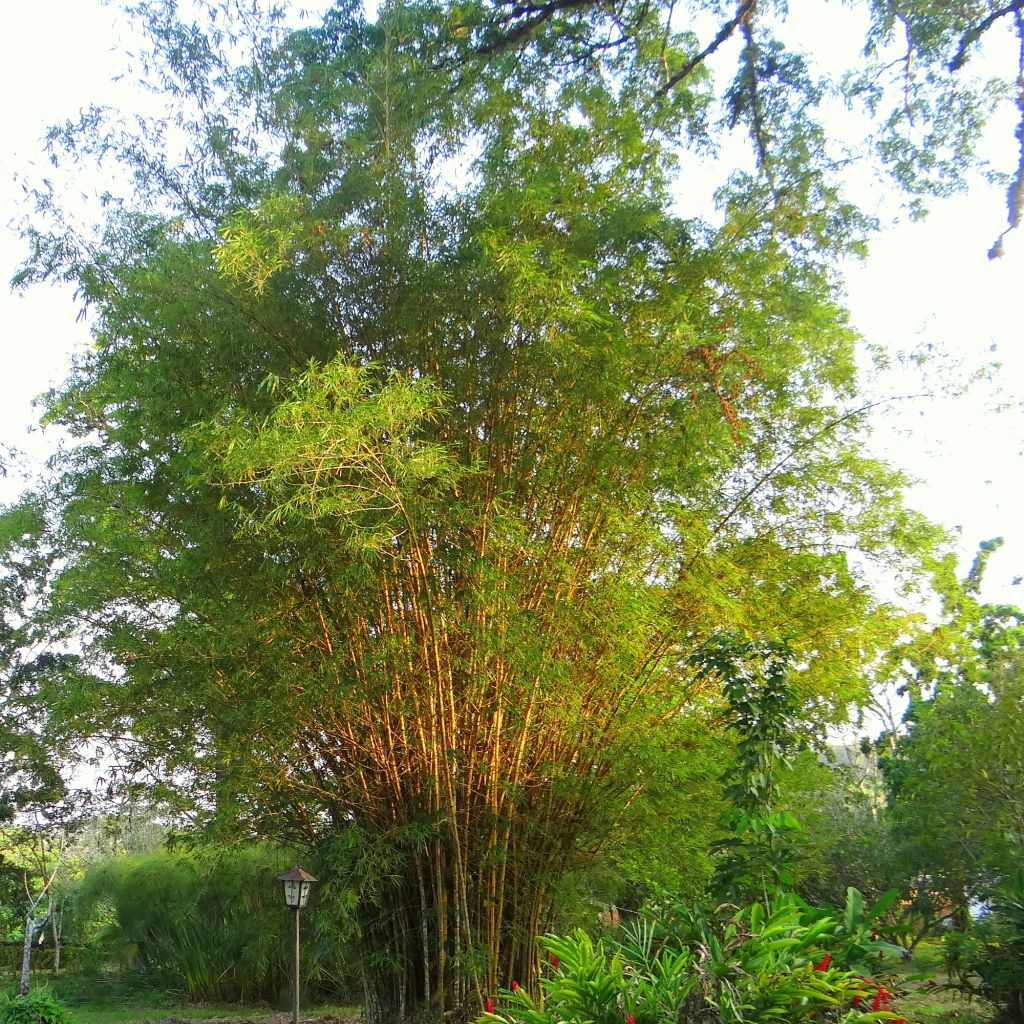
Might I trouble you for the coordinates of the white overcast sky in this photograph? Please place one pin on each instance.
(925, 284)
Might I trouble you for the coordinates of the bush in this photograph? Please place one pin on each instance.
(760, 965)
(38, 1007)
(990, 963)
(210, 924)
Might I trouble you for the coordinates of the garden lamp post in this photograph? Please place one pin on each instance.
(297, 885)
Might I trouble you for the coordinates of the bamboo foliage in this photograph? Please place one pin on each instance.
(403, 492)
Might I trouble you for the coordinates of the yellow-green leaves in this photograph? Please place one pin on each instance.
(256, 244)
(342, 446)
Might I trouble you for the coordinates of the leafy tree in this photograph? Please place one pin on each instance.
(991, 963)
(422, 444)
(956, 774)
(31, 758)
(847, 837)
(35, 852)
(765, 716)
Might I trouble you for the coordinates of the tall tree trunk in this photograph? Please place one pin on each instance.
(961, 907)
(56, 923)
(31, 927)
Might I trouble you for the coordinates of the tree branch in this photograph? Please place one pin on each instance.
(972, 35)
(1015, 193)
(744, 10)
(536, 15)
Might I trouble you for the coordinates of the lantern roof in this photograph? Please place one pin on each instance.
(296, 875)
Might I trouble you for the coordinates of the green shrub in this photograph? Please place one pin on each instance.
(855, 944)
(209, 924)
(761, 965)
(38, 1007)
(990, 962)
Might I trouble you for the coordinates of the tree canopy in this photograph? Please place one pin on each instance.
(956, 772)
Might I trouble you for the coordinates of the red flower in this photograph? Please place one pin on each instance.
(822, 964)
(554, 960)
(489, 1004)
(515, 985)
(631, 1019)
(857, 1000)
(882, 998)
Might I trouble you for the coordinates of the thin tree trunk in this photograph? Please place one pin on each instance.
(56, 926)
(31, 927)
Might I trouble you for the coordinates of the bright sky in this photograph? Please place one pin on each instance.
(925, 283)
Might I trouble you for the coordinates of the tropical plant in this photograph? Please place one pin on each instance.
(38, 1007)
(754, 966)
(857, 941)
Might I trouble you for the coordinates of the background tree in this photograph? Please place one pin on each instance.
(846, 838)
(955, 774)
(34, 853)
(32, 757)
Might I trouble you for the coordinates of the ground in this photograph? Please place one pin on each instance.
(128, 1014)
(926, 999)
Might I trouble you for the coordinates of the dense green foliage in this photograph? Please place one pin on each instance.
(424, 448)
(991, 962)
(764, 716)
(955, 774)
(755, 965)
(31, 757)
(38, 1007)
(210, 925)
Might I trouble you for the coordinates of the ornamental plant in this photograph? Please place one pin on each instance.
(762, 963)
(856, 943)
(38, 1007)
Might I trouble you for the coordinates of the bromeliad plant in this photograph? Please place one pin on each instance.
(760, 965)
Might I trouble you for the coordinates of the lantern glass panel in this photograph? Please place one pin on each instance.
(293, 894)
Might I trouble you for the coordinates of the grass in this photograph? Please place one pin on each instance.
(124, 1000)
(926, 999)
(125, 1013)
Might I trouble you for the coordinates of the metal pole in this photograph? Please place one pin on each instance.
(295, 998)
